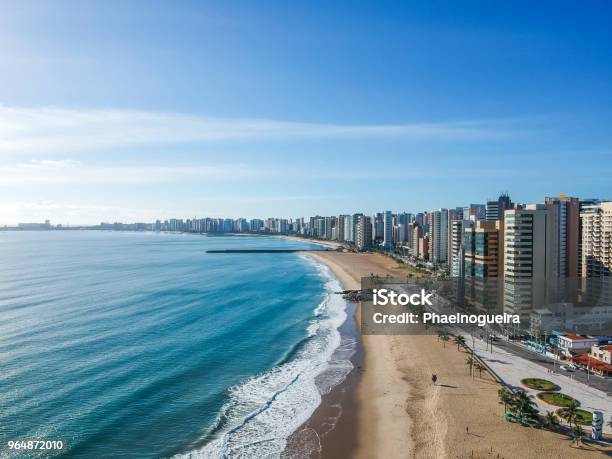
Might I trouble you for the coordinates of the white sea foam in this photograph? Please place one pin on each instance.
(265, 410)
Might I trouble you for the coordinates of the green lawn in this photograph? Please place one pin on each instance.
(556, 398)
(539, 384)
(583, 417)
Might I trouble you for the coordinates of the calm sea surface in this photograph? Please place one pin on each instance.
(143, 345)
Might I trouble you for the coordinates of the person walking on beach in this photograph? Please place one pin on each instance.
(434, 378)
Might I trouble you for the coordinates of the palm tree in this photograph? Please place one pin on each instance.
(571, 412)
(479, 366)
(505, 397)
(578, 434)
(445, 338)
(524, 403)
(551, 420)
(459, 341)
(469, 361)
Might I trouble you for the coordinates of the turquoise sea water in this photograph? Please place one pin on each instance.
(143, 345)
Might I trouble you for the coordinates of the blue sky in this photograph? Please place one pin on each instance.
(139, 110)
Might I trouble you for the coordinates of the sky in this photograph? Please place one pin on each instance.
(134, 111)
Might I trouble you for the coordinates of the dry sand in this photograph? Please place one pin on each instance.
(401, 414)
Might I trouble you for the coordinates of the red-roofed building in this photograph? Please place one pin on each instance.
(593, 364)
(570, 343)
(603, 353)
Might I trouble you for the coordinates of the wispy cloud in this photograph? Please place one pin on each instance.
(71, 172)
(71, 131)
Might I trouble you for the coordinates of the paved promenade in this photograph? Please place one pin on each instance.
(512, 368)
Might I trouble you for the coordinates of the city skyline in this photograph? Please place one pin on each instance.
(163, 109)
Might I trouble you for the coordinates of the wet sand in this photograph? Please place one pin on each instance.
(390, 408)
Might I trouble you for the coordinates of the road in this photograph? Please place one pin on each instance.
(513, 363)
(598, 382)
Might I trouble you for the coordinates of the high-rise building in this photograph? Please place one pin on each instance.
(484, 252)
(597, 240)
(348, 228)
(319, 227)
(457, 231)
(387, 242)
(241, 225)
(377, 227)
(363, 233)
(453, 216)
(355, 220)
(403, 221)
(475, 212)
(530, 257)
(256, 225)
(438, 236)
(341, 227)
(424, 247)
(416, 234)
(566, 213)
(586, 206)
(495, 209)
(330, 224)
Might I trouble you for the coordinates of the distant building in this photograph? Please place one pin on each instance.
(330, 224)
(424, 247)
(565, 212)
(484, 249)
(363, 233)
(355, 219)
(347, 227)
(602, 353)
(378, 227)
(571, 343)
(594, 320)
(458, 229)
(256, 225)
(495, 209)
(387, 242)
(438, 236)
(475, 212)
(341, 231)
(598, 360)
(586, 206)
(597, 240)
(415, 237)
(529, 257)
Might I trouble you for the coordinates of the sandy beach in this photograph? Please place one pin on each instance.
(399, 413)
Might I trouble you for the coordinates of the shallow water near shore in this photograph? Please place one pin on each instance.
(143, 345)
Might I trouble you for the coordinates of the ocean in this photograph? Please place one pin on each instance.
(143, 345)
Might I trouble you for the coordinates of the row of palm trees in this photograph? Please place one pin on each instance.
(519, 403)
(473, 363)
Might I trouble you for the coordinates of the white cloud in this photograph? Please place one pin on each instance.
(70, 131)
(70, 172)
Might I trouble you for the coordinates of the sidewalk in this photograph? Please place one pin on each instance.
(512, 368)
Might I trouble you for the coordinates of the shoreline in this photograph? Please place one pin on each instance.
(391, 408)
(335, 245)
(364, 430)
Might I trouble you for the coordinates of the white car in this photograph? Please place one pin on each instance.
(566, 368)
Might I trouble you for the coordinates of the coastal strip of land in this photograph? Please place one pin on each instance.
(401, 414)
